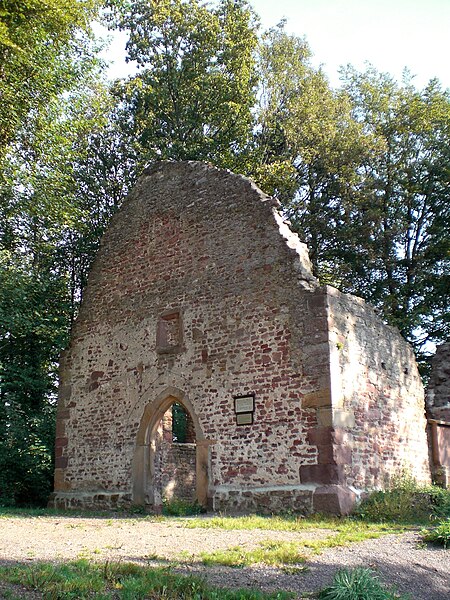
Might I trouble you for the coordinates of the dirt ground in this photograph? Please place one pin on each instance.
(399, 560)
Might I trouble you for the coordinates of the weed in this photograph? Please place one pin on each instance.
(439, 534)
(356, 584)
(181, 508)
(405, 501)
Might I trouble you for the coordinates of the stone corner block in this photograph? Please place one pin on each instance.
(334, 500)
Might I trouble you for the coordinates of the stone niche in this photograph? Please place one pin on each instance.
(297, 396)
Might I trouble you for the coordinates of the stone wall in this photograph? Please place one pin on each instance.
(377, 397)
(438, 390)
(438, 410)
(199, 294)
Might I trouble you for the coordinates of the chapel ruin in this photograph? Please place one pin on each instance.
(207, 363)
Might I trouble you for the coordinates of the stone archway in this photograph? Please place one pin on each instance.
(145, 486)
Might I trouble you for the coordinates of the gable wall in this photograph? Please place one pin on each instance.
(205, 242)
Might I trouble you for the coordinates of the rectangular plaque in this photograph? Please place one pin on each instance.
(244, 404)
(244, 418)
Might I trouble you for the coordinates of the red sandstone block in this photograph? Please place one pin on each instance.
(321, 474)
(61, 462)
(319, 436)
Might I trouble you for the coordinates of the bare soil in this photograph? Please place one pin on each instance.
(399, 560)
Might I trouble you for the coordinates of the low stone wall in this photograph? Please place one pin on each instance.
(90, 500)
(266, 500)
(178, 472)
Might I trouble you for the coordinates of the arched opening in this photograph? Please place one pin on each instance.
(175, 455)
(171, 454)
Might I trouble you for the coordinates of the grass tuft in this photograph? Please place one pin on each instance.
(181, 508)
(356, 584)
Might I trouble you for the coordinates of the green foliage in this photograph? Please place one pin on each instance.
(179, 423)
(356, 584)
(361, 172)
(181, 508)
(405, 502)
(32, 318)
(194, 94)
(26, 456)
(403, 211)
(124, 581)
(42, 45)
(440, 534)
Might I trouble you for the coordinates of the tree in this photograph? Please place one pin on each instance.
(404, 207)
(194, 95)
(311, 150)
(60, 185)
(362, 173)
(42, 50)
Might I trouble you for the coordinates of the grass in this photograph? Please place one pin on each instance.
(120, 581)
(181, 508)
(288, 523)
(278, 553)
(267, 553)
(357, 584)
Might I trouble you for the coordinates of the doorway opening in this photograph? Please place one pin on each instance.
(175, 457)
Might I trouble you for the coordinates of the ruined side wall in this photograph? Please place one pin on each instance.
(377, 396)
(208, 245)
(438, 391)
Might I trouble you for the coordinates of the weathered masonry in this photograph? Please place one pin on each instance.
(438, 411)
(201, 310)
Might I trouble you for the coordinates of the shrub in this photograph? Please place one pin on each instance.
(356, 584)
(438, 535)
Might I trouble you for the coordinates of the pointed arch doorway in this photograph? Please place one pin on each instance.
(165, 465)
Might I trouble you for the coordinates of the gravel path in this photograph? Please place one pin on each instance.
(400, 560)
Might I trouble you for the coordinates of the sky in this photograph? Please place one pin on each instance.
(390, 34)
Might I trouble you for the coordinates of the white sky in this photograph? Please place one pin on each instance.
(390, 34)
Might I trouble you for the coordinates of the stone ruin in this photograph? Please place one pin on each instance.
(294, 396)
